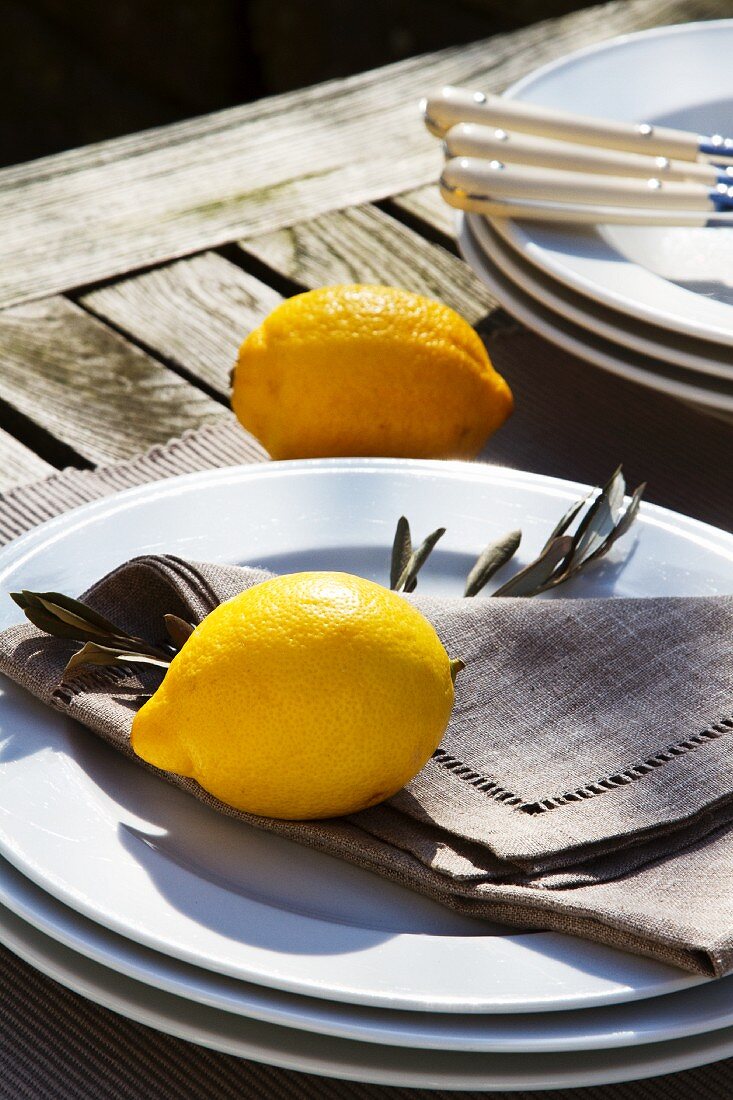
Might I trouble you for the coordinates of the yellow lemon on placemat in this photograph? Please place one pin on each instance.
(367, 370)
(307, 696)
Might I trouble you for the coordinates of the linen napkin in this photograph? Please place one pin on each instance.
(584, 784)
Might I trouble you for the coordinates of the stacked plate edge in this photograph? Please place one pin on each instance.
(141, 898)
(654, 305)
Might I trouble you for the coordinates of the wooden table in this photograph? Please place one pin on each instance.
(132, 269)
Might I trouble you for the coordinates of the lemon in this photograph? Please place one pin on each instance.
(307, 696)
(367, 370)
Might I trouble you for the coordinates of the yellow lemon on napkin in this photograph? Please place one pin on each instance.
(367, 370)
(307, 696)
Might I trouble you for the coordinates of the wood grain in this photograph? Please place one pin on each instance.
(88, 214)
(364, 245)
(89, 387)
(194, 312)
(18, 464)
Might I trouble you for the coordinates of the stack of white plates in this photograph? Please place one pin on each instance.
(136, 895)
(653, 304)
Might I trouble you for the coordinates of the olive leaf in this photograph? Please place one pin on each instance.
(179, 631)
(401, 552)
(66, 618)
(407, 580)
(63, 617)
(604, 522)
(564, 522)
(600, 519)
(93, 654)
(535, 576)
(623, 524)
(491, 560)
(72, 612)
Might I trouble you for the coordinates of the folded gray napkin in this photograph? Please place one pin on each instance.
(584, 784)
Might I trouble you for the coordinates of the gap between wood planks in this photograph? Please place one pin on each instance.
(76, 389)
(88, 214)
(136, 361)
(75, 377)
(194, 313)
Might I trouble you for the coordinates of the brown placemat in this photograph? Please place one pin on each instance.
(572, 421)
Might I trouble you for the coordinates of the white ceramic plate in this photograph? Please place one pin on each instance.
(713, 397)
(672, 349)
(147, 861)
(696, 1011)
(384, 1065)
(678, 278)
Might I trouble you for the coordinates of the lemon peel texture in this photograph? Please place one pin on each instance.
(367, 370)
(307, 696)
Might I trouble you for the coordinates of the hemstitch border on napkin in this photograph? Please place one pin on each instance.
(494, 790)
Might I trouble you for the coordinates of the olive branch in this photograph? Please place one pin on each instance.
(597, 522)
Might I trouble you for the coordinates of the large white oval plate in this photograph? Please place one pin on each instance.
(674, 277)
(149, 862)
(697, 1011)
(344, 1058)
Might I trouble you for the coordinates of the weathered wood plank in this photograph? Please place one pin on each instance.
(426, 204)
(364, 245)
(88, 387)
(91, 213)
(18, 464)
(194, 312)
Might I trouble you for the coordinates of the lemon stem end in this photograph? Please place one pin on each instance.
(456, 666)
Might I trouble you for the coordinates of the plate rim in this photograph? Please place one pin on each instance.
(716, 331)
(478, 469)
(664, 350)
(714, 538)
(575, 342)
(123, 996)
(58, 923)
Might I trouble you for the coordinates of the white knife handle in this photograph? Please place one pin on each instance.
(455, 105)
(494, 179)
(579, 215)
(468, 139)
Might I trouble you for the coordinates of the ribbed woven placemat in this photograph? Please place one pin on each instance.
(55, 1045)
(571, 421)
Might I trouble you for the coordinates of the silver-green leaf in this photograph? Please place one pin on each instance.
(401, 552)
(179, 631)
(600, 519)
(491, 560)
(538, 574)
(407, 581)
(93, 654)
